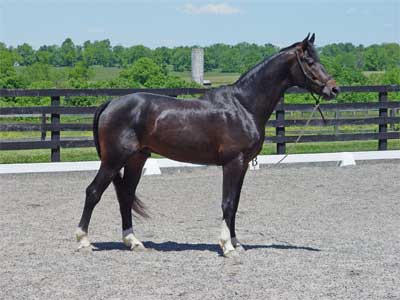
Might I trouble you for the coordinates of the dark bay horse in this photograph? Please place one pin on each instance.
(226, 127)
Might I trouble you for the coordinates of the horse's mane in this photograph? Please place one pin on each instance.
(290, 47)
(257, 66)
(310, 50)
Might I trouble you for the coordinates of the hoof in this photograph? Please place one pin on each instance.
(238, 246)
(85, 249)
(83, 240)
(231, 254)
(227, 249)
(133, 243)
(138, 248)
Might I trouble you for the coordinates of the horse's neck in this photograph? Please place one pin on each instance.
(261, 88)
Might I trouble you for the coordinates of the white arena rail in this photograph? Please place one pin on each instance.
(153, 166)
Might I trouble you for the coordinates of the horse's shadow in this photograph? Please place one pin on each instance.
(177, 247)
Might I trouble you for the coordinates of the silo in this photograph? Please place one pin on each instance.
(198, 65)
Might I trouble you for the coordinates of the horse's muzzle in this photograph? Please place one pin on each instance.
(330, 90)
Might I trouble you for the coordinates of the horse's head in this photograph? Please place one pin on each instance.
(308, 72)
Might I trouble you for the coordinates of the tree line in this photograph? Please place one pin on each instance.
(226, 58)
(144, 67)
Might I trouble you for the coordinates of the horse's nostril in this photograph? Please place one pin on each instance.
(336, 90)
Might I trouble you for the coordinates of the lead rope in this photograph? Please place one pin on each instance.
(316, 107)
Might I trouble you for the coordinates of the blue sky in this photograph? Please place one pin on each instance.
(156, 23)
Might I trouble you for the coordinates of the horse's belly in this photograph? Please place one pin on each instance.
(200, 158)
(184, 148)
(196, 137)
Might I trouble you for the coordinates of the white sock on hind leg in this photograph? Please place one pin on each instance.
(82, 238)
(130, 240)
(225, 239)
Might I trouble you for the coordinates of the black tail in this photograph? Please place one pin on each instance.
(97, 114)
(123, 190)
(139, 208)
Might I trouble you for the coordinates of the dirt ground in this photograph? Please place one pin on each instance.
(310, 232)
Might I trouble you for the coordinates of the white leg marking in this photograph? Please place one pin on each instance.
(131, 241)
(225, 239)
(82, 238)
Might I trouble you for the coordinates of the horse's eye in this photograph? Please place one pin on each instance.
(309, 61)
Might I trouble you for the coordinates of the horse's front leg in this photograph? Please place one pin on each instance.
(233, 176)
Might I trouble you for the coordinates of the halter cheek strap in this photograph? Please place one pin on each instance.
(313, 82)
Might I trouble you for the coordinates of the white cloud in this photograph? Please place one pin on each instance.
(215, 9)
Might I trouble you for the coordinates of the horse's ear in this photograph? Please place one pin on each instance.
(312, 39)
(304, 43)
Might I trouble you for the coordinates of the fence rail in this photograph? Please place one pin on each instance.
(387, 113)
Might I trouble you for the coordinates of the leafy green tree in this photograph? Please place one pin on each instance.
(27, 54)
(8, 76)
(36, 72)
(142, 71)
(97, 53)
(43, 56)
(50, 55)
(39, 72)
(68, 53)
(119, 56)
(134, 53)
(181, 59)
(161, 55)
(80, 71)
(391, 76)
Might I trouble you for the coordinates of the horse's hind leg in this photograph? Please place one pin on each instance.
(235, 242)
(126, 188)
(93, 194)
(233, 175)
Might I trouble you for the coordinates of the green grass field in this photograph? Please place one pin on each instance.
(89, 154)
(100, 73)
(105, 73)
(216, 78)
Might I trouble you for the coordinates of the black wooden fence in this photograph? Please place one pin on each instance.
(388, 113)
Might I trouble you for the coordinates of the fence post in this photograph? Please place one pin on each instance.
(42, 129)
(55, 134)
(337, 117)
(392, 114)
(280, 129)
(383, 113)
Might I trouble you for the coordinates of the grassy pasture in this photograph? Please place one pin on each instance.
(89, 154)
(216, 78)
(100, 73)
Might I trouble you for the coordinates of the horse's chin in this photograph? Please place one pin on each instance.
(329, 96)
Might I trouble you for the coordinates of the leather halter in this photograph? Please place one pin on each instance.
(311, 82)
(308, 78)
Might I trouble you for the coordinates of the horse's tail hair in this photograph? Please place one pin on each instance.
(121, 186)
(97, 114)
(139, 207)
